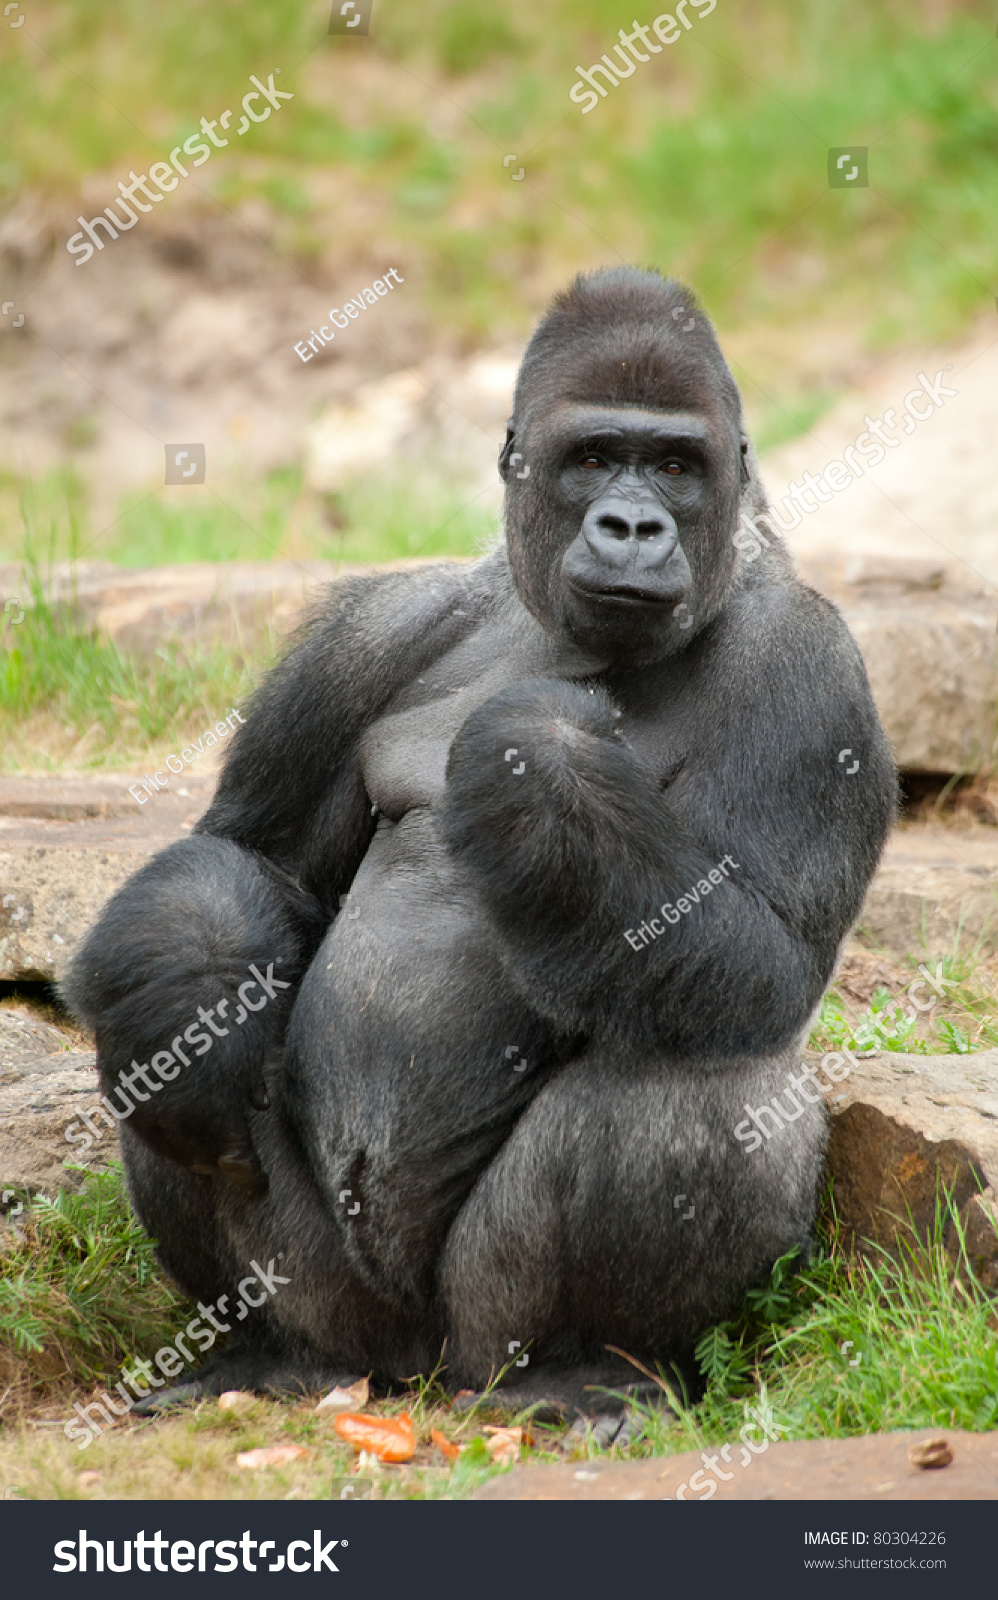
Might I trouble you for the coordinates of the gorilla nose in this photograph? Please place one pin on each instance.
(623, 533)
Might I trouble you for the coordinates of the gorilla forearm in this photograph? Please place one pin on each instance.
(579, 846)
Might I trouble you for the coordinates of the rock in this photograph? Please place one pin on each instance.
(904, 1126)
(936, 888)
(933, 497)
(451, 414)
(45, 1082)
(876, 1467)
(931, 652)
(933, 670)
(66, 845)
(242, 603)
(931, 1454)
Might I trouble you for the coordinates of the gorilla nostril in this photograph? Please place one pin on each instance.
(617, 526)
(650, 529)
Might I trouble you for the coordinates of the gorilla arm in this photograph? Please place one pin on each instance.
(581, 845)
(258, 882)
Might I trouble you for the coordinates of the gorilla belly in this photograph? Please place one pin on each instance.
(409, 1056)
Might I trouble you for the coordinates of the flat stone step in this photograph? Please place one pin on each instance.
(66, 844)
(937, 886)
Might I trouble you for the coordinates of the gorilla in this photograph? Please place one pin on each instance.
(519, 889)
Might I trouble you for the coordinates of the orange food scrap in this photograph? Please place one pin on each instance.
(504, 1444)
(345, 1399)
(451, 1451)
(275, 1455)
(387, 1438)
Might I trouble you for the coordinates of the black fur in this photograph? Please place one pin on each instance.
(504, 767)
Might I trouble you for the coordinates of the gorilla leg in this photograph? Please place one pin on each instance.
(623, 1212)
(320, 1325)
(215, 1169)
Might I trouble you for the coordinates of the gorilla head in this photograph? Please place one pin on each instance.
(629, 427)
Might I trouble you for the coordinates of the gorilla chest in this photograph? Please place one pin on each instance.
(404, 754)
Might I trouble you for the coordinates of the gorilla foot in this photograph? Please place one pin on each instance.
(562, 1394)
(260, 1369)
(608, 1429)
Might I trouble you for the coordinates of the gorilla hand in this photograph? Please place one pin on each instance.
(547, 804)
(199, 1113)
(204, 1119)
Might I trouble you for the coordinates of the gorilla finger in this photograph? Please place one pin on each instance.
(259, 1098)
(241, 1164)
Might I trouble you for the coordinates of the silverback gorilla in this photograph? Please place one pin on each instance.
(465, 1110)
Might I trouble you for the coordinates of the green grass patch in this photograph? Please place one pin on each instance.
(401, 515)
(709, 160)
(57, 670)
(80, 1288)
(962, 1019)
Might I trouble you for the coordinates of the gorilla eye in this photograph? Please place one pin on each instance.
(591, 462)
(673, 468)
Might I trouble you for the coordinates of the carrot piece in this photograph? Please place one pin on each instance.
(388, 1438)
(451, 1451)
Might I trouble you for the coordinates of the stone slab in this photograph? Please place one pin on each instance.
(875, 1467)
(937, 885)
(45, 1081)
(903, 1124)
(238, 603)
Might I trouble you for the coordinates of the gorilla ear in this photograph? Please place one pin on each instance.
(505, 452)
(746, 475)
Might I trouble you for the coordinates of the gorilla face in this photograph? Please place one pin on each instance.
(619, 536)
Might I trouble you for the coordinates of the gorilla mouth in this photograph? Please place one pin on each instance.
(625, 594)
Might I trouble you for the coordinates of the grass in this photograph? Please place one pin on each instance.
(69, 696)
(402, 513)
(923, 1352)
(79, 1278)
(961, 1020)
